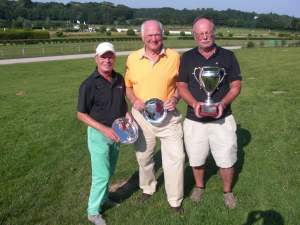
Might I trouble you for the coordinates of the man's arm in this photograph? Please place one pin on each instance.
(188, 97)
(171, 103)
(107, 131)
(137, 103)
(235, 89)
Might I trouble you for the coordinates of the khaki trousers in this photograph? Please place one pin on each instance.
(170, 134)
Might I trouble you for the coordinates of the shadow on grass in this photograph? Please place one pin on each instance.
(267, 217)
(127, 189)
(131, 186)
(243, 139)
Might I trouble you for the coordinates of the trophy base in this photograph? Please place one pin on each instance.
(209, 110)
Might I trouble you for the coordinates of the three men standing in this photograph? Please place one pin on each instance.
(157, 72)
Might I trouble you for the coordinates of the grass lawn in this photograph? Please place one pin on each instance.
(45, 167)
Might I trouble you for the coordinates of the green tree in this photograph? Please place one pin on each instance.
(27, 24)
(24, 3)
(130, 32)
(18, 23)
(219, 34)
(113, 29)
(109, 14)
(102, 29)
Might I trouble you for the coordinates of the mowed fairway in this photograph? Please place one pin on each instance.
(45, 167)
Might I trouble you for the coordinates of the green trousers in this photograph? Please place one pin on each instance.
(104, 155)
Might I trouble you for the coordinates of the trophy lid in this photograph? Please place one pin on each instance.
(127, 131)
(154, 111)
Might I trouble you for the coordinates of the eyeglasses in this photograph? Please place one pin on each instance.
(153, 35)
(202, 34)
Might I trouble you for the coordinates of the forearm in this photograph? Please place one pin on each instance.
(235, 89)
(89, 121)
(137, 103)
(185, 94)
(176, 95)
(130, 95)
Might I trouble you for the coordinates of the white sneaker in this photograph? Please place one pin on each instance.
(197, 194)
(96, 219)
(230, 200)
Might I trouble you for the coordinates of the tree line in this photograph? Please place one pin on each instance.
(25, 14)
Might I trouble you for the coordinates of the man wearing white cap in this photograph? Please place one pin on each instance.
(101, 100)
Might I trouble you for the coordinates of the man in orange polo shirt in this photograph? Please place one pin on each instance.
(151, 72)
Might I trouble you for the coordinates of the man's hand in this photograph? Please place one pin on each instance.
(138, 104)
(220, 107)
(197, 107)
(129, 117)
(111, 134)
(170, 104)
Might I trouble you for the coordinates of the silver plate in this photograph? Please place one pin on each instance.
(127, 131)
(154, 111)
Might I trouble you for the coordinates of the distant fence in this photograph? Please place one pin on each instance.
(46, 50)
(126, 38)
(38, 50)
(67, 40)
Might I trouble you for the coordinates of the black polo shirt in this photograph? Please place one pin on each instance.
(221, 58)
(102, 100)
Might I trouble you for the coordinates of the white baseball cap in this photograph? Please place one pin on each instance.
(105, 47)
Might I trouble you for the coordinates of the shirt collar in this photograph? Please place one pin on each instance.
(216, 50)
(97, 75)
(143, 55)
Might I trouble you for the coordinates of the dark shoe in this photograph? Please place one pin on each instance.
(144, 197)
(178, 210)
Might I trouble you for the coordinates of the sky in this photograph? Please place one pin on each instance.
(281, 7)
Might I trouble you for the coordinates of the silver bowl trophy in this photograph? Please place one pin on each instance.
(154, 111)
(209, 78)
(126, 130)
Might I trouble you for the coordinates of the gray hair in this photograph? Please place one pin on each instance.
(202, 18)
(158, 23)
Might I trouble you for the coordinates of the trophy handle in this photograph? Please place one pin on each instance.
(224, 74)
(222, 78)
(197, 76)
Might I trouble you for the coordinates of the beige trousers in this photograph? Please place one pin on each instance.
(170, 134)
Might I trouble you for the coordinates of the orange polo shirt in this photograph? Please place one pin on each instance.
(149, 79)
